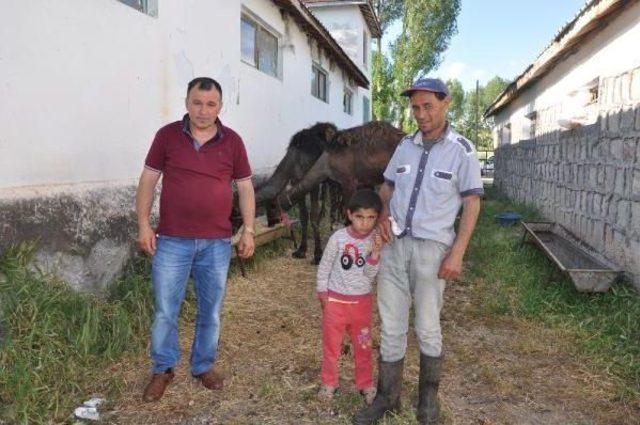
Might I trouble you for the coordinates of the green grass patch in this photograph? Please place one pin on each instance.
(518, 280)
(57, 342)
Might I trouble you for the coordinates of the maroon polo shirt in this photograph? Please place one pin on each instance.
(196, 197)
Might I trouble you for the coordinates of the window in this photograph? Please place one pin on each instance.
(366, 109)
(506, 134)
(347, 101)
(365, 49)
(150, 7)
(258, 46)
(529, 130)
(319, 83)
(532, 126)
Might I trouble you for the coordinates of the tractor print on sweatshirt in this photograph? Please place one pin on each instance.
(352, 254)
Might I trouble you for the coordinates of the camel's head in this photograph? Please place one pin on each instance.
(268, 207)
(314, 139)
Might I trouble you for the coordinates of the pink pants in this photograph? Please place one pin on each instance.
(353, 314)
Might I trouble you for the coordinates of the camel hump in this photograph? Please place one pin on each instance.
(465, 144)
(374, 134)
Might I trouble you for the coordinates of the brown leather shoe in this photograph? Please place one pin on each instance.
(211, 379)
(155, 388)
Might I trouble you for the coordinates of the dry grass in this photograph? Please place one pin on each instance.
(505, 370)
(269, 350)
(518, 350)
(498, 370)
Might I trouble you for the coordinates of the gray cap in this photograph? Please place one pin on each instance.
(427, 84)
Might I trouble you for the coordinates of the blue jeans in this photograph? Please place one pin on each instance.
(207, 260)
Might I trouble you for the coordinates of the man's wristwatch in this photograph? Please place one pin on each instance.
(249, 230)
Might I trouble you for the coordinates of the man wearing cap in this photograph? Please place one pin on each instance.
(430, 176)
(198, 158)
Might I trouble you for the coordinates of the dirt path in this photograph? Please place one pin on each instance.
(497, 371)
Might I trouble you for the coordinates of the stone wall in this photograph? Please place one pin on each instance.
(84, 234)
(588, 178)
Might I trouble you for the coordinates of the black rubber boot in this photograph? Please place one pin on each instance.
(430, 371)
(388, 394)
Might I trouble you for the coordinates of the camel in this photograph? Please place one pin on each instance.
(305, 148)
(356, 157)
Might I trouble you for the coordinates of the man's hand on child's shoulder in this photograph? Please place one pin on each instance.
(376, 247)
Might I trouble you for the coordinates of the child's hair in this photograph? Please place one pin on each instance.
(365, 199)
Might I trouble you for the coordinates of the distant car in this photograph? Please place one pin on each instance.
(488, 166)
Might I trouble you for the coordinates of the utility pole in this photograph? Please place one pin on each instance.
(477, 110)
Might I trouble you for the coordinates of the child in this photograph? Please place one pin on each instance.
(348, 267)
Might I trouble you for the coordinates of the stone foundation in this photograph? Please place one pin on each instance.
(84, 234)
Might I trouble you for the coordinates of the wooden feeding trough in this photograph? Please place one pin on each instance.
(589, 270)
(264, 235)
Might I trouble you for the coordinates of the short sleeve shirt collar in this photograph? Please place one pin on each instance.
(186, 129)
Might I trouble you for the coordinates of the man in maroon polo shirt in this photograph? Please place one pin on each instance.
(198, 159)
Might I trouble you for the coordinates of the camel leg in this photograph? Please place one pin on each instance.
(301, 252)
(273, 214)
(336, 203)
(348, 190)
(324, 193)
(314, 216)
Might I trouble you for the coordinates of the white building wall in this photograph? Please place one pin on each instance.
(79, 94)
(85, 85)
(286, 105)
(612, 51)
(348, 27)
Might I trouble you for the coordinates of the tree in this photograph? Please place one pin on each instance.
(382, 88)
(387, 11)
(382, 92)
(474, 107)
(492, 90)
(427, 27)
(456, 108)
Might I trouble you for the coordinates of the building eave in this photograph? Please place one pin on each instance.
(312, 26)
(366, 8)
(590, 20)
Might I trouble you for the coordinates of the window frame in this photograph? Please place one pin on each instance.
(148, 7)
(260, 27)
(365, 49)
(366, 109)
(347, 107)
(316, 69)
(506, 134)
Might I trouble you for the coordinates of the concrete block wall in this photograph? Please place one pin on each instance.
(587, 179)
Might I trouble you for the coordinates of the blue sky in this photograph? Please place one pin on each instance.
(500, 37)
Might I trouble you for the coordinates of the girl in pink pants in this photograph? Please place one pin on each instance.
(345, 276)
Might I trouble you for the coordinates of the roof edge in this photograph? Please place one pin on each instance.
(584, 24)
(311, 25)
(366, 8)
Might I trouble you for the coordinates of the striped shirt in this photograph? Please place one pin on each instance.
(429, 180)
